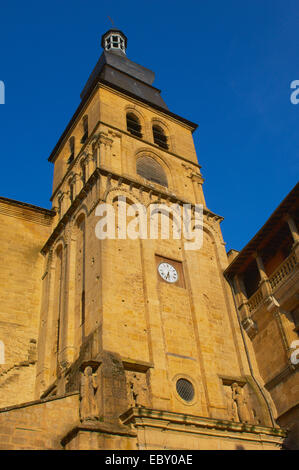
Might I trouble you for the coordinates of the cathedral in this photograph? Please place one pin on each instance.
(123, 343)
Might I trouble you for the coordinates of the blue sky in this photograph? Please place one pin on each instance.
(226, 65)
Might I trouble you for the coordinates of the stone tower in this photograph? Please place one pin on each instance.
(132, 350)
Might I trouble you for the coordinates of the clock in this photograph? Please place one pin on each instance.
(168, 272)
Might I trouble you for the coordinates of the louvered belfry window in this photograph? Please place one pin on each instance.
(159, 137)
(151, 170)
(133, 125)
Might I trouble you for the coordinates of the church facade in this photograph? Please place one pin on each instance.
(123, 343)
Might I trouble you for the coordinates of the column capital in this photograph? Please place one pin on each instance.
(197, 178)
(76, 176)
(104, 139)
(272, 305)
(114, 133)
(250, 327)
(260, 266)
(293, 227)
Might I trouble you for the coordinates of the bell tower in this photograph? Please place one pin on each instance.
(143, 330)
(115, 41)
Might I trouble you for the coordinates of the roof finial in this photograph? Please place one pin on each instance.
(112, 22)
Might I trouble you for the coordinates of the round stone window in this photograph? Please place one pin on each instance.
(185, 389)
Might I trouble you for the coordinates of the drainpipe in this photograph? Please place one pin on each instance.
(249, 361)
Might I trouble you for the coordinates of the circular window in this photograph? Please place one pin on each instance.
(185, 389)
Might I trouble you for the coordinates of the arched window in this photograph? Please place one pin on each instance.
(72, 149)
(59, 201)
(58, 300)
(83, 171)
(80, 273)
(85, 129)
(160, 137)
(151, 170)
(71, 192)
(133, 125)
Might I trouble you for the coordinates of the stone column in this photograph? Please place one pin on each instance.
(96, 153)
(47, 334)
(88, 165)
(148, 132)
(105, 150)
(65, 203)
(67, 323)
(295, 235)
(44, 343)
(197, 181)
(293, 229)
(247, 322)
(108, 152)
(77, 184)
(241, 297)
(102, 152)
(264, 280)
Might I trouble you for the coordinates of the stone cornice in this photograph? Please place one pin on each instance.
(99, 427)
(26, 211)
(124, 179)
(94, 136)
(200, 425)
(37, 402)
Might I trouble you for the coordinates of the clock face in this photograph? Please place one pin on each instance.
(168, 272)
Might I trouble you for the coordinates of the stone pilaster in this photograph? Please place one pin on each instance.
(264, 280)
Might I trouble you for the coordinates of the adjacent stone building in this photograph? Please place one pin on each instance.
(265, 279)
(127, 356)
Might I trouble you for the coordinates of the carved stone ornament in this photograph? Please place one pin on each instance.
(241, 403)
(137, 389)
(88, 387)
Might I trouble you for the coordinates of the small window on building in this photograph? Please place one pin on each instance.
(151, 170)
(159, 137)
(133, 125)
(185, 390)
(85, 129)
(72, 149)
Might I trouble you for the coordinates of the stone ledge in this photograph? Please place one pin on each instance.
(134, 365)
(99, 427)
(200, 425)
(36, 402)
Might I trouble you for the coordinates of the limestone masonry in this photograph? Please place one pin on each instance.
(103, 352)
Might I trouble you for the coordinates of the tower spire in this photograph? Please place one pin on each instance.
(114, 40)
